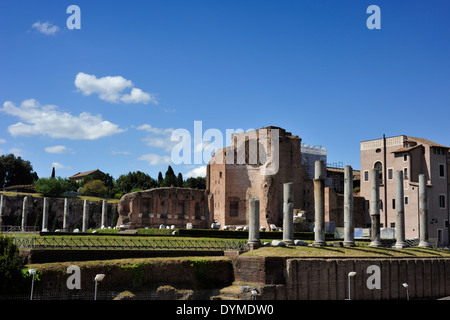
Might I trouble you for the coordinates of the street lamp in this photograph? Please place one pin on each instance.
(350, 275)
(99, 277)
(254, 293)
(32, 272)
(405, 285)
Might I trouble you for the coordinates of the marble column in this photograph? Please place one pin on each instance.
(319, 204)
(375, 209)
(400, 211)
(349, 229)
(288, 213)
(85, 216)
(45, 215)
(253, 217)
(423, 213)
(24, 213)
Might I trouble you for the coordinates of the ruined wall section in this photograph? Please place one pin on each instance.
(168, 206)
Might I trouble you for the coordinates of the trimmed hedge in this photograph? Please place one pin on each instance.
(214, 233)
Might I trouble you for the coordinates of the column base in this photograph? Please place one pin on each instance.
(400, 245)
(375, 243)
(424, 244)
(319, 243)
(253, 245)
(349, 244)
(288, 242)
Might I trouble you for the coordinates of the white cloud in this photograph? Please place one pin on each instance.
(45, 28)
(17, 151)
(110, 89)
(159, 138)
(58, 165)
(149, 128)
(155, 159)
(2, 140)
(51, 121)
(120, 152)
(57, 149)
(197, 172)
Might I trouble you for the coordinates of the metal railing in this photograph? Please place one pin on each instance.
(8, 228)
(106, 243)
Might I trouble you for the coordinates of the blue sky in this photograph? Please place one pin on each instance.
(108, 95)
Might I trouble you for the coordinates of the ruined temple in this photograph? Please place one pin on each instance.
(258, 163)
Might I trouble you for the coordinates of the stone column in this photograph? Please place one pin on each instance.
(288, 213)
(319, 204)
(423, 212)
(85, 216)
(2, 209)
(253, 223)
(45, 216)
(400, 210)
(349, 229)
(66, 214)
(375, 209)
(104, 211)
(24, 213)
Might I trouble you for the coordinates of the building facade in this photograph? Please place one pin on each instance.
(258, 163)
(413, 156)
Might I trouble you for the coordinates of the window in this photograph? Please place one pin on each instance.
(379, 167)
(405, 173)
(220, 174)
(393, 203)
(390, 174)
(442, 201)
(392, 224)
(366, 175)
(405, 157)
(441, 170)
(406, 200)
(234, 207)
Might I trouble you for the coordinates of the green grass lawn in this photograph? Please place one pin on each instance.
(359, 251)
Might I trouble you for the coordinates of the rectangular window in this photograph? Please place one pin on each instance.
(393, 203)
(441, 170)
(234, 208)
(406, 200)
(442, 201)
(366, 175)
(405, 157)
(390, 174)
(405, 173)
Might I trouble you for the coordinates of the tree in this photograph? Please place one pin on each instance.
(135, 180)
(179, 180)
(11, 278)
(170, 179)
(196, 183)
(15, 171)
(160, 179)
(94, 188)
(53, 187)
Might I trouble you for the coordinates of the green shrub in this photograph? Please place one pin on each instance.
(12, 279)
(52, 187)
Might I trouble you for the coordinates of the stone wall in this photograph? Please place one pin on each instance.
(13, 212)
(168, 206)
(327, 279)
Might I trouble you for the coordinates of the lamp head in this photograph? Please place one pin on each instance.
(405, 285)
(99, 277)
(352, 274)
(32, 271)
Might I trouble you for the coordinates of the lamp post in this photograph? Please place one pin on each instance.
(350, 275)
(99, 277)
(32, 272)
(405, 285)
